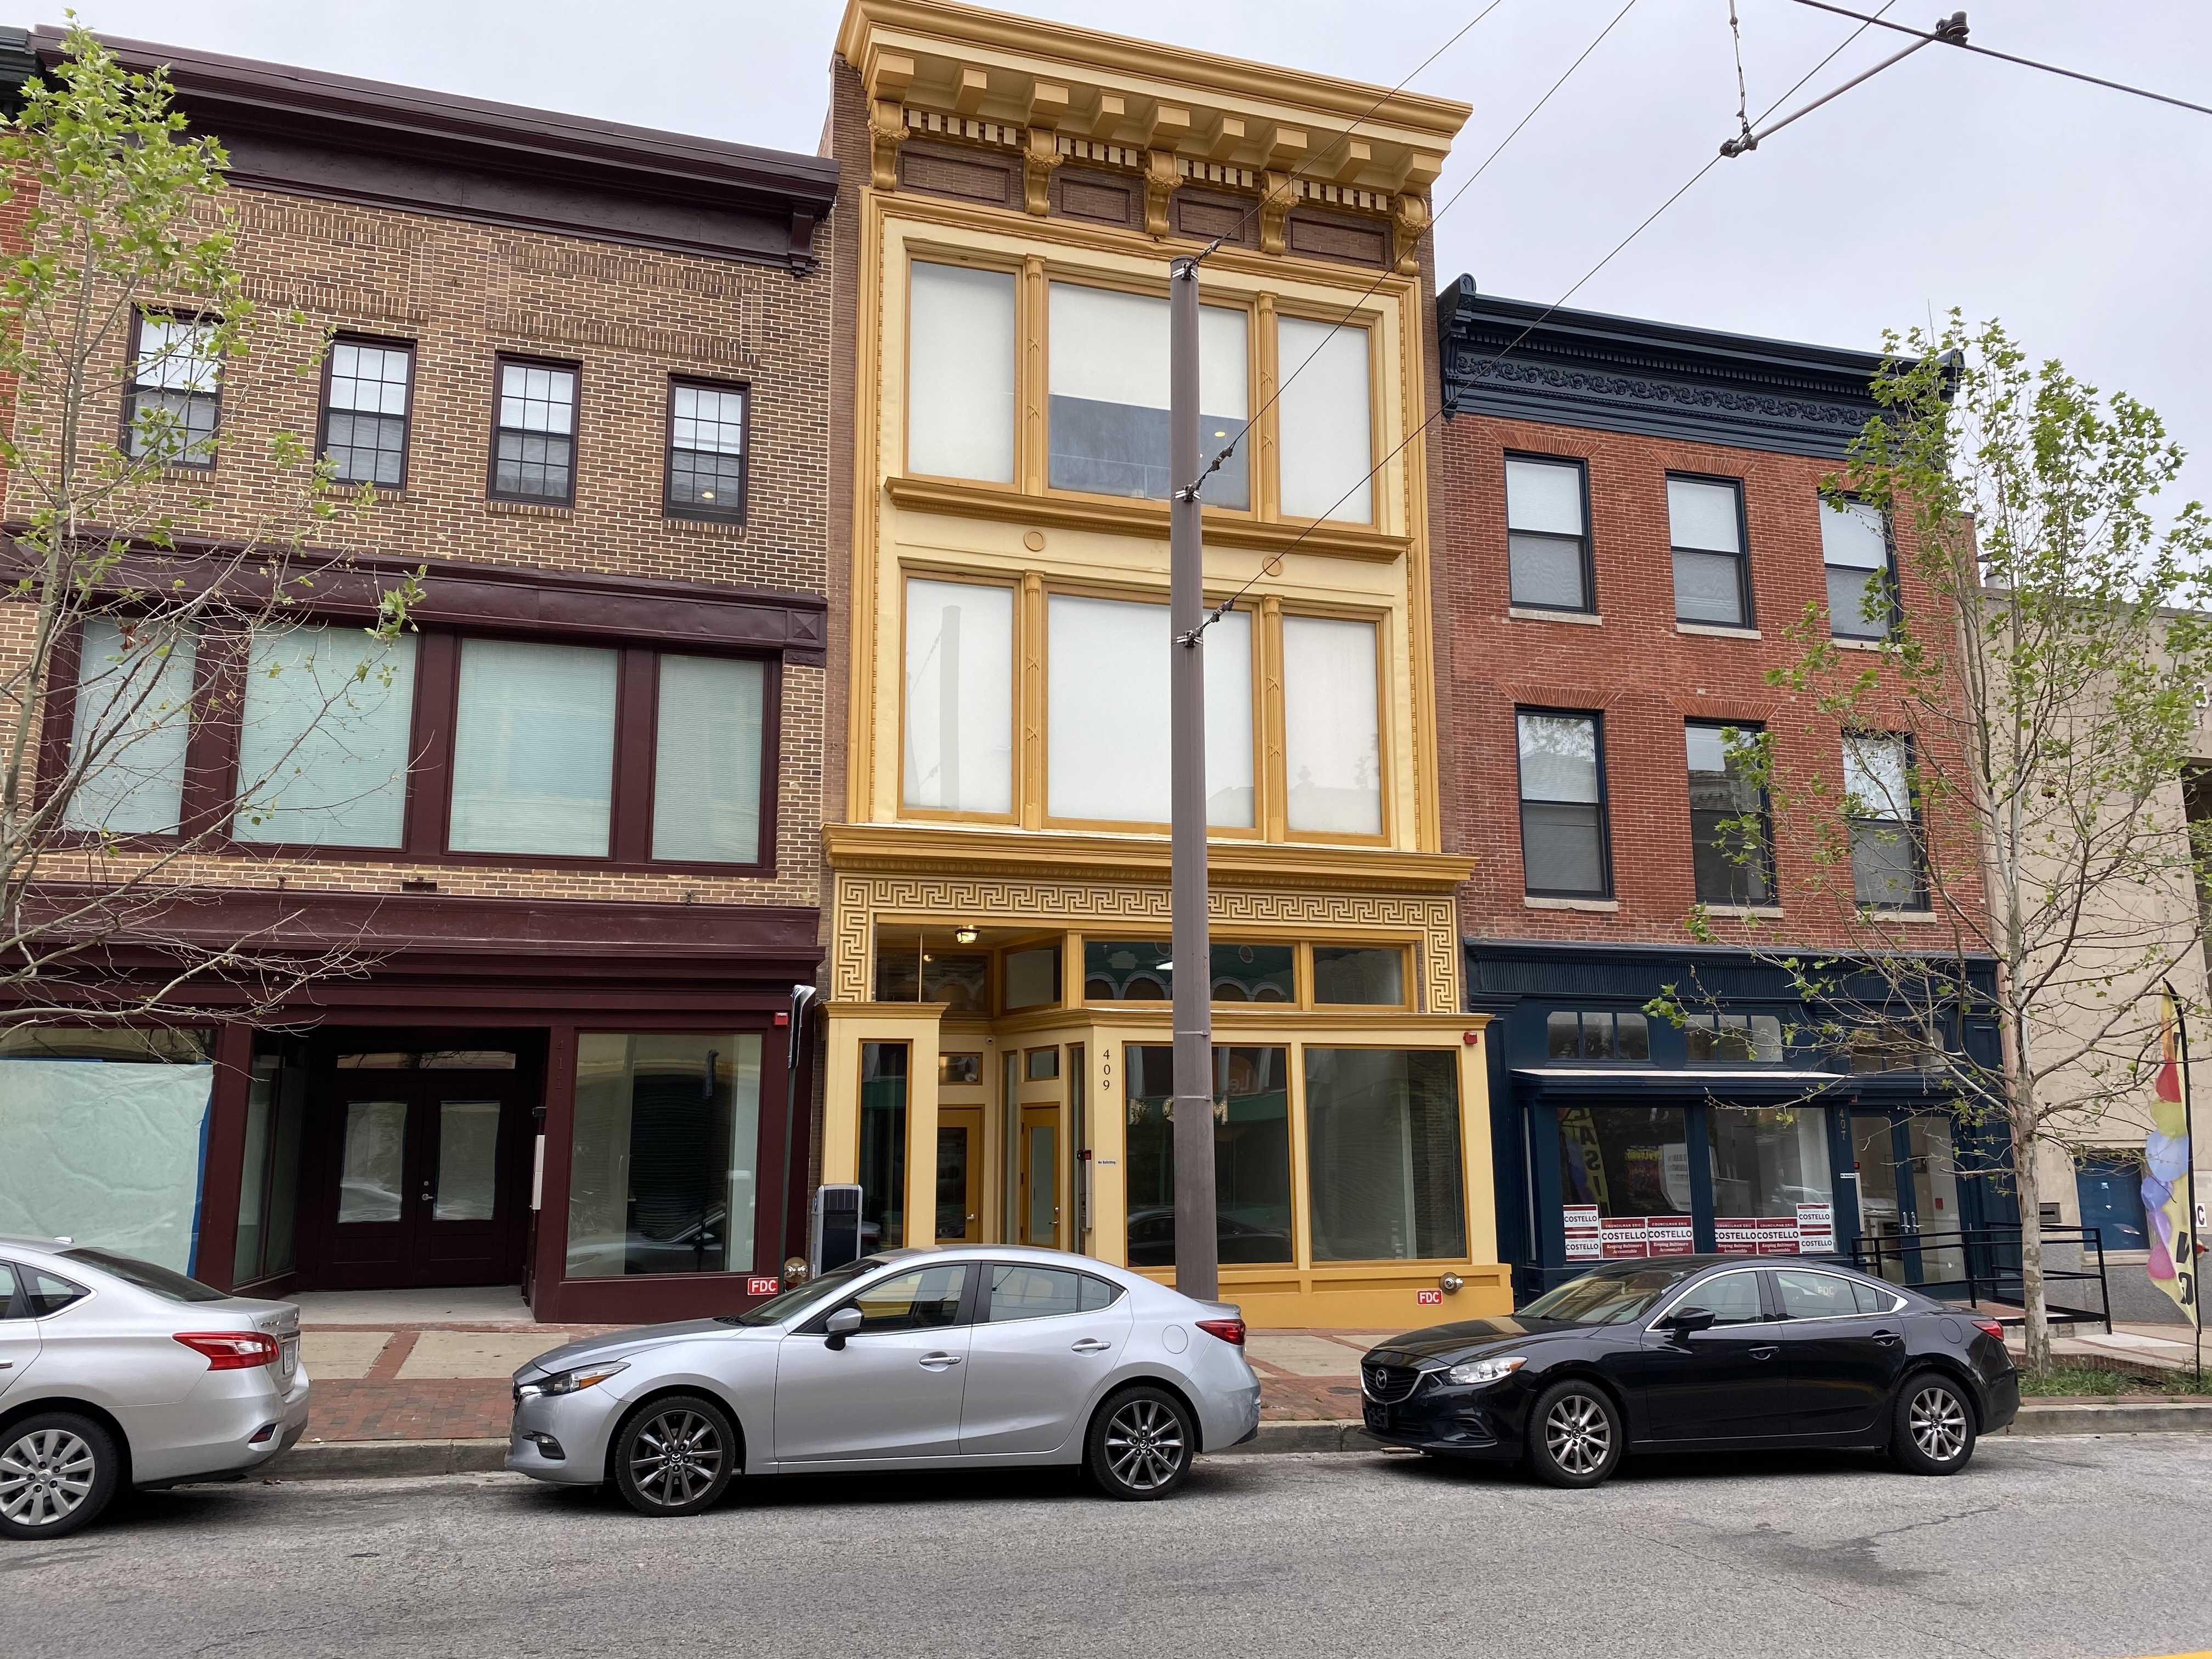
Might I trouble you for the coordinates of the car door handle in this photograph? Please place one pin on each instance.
(1091, 1345)
(1764, 1353)
(937, 1362)
(1888, 1339)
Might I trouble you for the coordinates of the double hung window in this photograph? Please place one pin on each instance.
(1563, 828)
(175, 396)
(1547, 534)
(706, 451)
(1731, 841)
(1712, 581)
(534, 445)
(1887, 868)
(1855, 548)
(365, 412)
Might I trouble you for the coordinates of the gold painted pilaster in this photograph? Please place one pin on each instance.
(1031, 778)
(1031, 464)
(1274, 781)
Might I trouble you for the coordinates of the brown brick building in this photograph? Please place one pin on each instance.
(585, 366)
(1630, 527)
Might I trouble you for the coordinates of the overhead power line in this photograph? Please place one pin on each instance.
(1941, 34)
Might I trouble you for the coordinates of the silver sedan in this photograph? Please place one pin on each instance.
(971, 1356)
(113, 1370)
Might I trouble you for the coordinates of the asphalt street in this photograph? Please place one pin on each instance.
(2077, 1547)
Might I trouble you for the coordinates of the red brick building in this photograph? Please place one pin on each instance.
(1631, 529)
(584, 366)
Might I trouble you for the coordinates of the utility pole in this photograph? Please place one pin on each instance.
(1197, 1241)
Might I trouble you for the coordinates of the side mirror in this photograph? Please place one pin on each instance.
(1685, 1321)
(843, 1323)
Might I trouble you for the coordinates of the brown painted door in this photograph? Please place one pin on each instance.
(425, 1164)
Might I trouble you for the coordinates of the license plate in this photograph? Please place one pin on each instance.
(1376, 1416)
(288, 1358)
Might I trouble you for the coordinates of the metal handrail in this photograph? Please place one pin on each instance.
(1982, 1252)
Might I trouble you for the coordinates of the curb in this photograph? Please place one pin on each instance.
(361, 1460)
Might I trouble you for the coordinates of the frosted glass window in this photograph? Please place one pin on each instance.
(1705, 525)
(1326, 439)
(960, 373)
(1109, 394)
(663, 1165)
(1108, 751)
(468, 1160)
(371, 1178)
(707, 760)
(1855, 548)
(1332, 746)
(533, 749)
(1546, 543)
(323, 740)
(134, 697)
(959, 697)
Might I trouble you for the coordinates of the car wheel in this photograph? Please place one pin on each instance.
(1140, 1445)
(675, 1456)
(1574, 1435)
(58, 1472)
(1932, 1429)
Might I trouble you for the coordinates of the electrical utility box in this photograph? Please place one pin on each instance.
(835, 1238)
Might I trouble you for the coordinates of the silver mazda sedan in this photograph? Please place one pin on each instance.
(114, 1371)
(973, 1355)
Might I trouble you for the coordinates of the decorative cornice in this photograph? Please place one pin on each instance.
(992, 850)
(1521, 361)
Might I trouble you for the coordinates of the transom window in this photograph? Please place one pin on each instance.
(1600, 1034)
(1546, 534)
(534, 445)
(1734, 1039)
(365, 416)
(1854, 550)
(706, 451)
(1712, 579)
(175, 395)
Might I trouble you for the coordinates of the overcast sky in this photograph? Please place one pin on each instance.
(2076, 215)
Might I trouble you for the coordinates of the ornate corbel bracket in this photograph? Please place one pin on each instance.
(1278, 191)
(1161, 178)
(1040, 155)
(1409, 217)
(887, 131)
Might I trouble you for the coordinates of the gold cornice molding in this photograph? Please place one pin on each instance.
(1054, 855)
(1026, 71)
(1133, 518)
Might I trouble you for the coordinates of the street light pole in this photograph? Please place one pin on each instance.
(1197, 1242)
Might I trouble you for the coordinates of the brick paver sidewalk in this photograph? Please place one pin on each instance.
(404, 1382)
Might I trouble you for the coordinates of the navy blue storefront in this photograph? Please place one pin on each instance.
(1617, 1135)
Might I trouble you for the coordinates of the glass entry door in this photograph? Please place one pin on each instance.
(1908, 1191)
(959, 1175)
(423, 1163)
(1038, 1211)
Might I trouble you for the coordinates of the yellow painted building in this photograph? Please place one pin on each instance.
(998, 1017)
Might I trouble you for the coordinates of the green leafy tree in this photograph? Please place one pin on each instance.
(2015, 740)
(125, 294)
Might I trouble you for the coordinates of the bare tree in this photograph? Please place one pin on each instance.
(2014, 746)
(124, 632)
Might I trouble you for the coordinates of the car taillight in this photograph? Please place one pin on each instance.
(231, 1351)
(1229, 1330)
(1989, 1327)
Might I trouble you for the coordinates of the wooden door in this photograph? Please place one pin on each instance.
(959, 1175)
(1038, 1172)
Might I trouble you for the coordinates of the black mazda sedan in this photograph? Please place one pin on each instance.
(1692, 1353)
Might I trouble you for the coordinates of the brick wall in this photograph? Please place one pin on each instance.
(1636, 668)
(630, 318)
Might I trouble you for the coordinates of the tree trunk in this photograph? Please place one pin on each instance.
(2034, 1304)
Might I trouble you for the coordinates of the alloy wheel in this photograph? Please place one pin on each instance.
(1939, 1424)
(1144, 1445)
(46, 1477)
(1577, 1434)
(675, 1457)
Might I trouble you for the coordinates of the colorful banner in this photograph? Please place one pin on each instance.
(2173, 1229)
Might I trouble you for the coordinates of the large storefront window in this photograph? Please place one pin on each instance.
(1624, 1181)
(269, 1183)
(1772, 1194)
(1382, 1140)
(668, 1134)
(1251, 1154)
(884, 1071)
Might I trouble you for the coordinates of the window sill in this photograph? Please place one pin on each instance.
(1911, 918)
(530, 509)
(1843, 644)
(1716, 630)
(1537, 613)
(1533, 902)
(707, 527)
(1744, 911)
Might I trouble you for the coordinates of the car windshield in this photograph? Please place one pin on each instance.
(800, 1297)
(145, 1276)
(1606, 1299)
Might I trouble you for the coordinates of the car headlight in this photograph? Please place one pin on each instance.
(583, 1377)
(1487, 1370)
